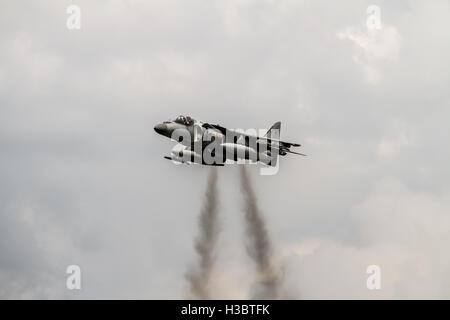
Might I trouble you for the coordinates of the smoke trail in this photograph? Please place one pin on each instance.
(259, 245)
(205, 242)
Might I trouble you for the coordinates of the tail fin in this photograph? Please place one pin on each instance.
(275, 126)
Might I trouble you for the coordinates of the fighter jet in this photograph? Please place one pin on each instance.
(212, 144)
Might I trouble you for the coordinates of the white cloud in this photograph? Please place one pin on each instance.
(83, 180)
(372, 46)
(403, 231)
(396, 137)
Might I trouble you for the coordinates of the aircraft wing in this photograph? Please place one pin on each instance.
(216, 127)
(224, 131)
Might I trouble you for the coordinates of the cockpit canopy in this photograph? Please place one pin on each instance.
(186, 120)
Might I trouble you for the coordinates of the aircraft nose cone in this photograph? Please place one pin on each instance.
(160, 128)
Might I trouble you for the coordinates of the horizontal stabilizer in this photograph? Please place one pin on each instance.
(289, 151)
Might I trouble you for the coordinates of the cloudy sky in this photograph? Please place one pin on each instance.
(83, 181)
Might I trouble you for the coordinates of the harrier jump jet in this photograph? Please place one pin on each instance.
(212, 144)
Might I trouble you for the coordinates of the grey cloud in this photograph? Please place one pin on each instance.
(79, 155)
